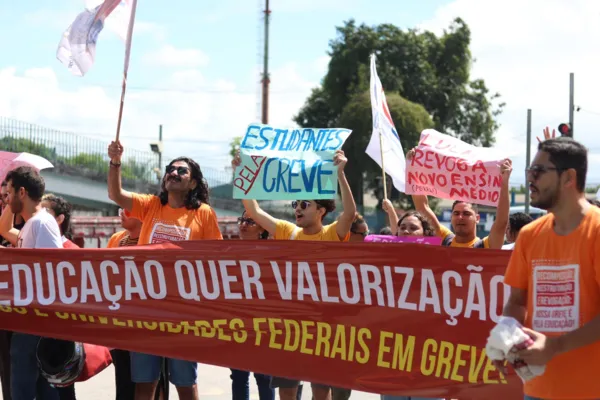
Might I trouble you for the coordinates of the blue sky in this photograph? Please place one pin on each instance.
(194, 66)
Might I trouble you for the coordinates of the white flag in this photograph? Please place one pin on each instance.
(77, 48)
(393, 154)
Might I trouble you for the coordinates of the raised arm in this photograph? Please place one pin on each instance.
(115, 190)
(388, 207)
(349, 212)
(496, 236)
(264, 219)
(261, 217)
(422, 204)
(7, 229)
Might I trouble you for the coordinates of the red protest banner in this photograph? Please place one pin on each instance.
(364, 317)
(448, 168)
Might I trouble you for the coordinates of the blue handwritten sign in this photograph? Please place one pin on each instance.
(288, 164)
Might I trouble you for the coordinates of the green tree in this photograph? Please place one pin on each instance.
(234, 145)
(425, 69)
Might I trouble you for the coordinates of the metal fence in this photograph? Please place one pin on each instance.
(76, 154)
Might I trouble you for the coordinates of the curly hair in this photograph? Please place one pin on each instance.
(518, 220)
(196, 196)
(358, 220)
(60, 207)
(427, 229)
(328, 205)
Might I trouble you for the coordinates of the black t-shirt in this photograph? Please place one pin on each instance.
(20, 226)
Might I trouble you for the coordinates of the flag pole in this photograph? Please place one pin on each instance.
(126, 65)
(382, 164)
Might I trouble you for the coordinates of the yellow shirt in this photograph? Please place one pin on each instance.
(445, 233)
(285, 229)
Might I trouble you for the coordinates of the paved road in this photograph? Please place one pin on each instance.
(214, 384)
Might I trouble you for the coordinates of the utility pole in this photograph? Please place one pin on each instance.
(160, 150)
(265, 78)
(528, 159)
(571, 100)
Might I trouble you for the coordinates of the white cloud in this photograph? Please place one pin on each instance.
(525, 51)
(199, 118)
(171, 56)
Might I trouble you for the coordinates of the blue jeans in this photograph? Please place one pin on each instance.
(145, 368)
(391, 397)
(24, 370)
(240, 385)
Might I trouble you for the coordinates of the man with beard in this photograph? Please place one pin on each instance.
(309, 226)
(17, 221)
(179, 212)
(465, 217)
(554, 275)
(25, 188)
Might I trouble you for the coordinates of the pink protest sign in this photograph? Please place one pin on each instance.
(448, 168)
(434, 240)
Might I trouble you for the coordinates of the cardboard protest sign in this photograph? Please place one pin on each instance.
(433, 240)
(288, 164)
(448, 168)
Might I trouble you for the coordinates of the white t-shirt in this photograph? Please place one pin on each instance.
(40, 232)
(509, 246)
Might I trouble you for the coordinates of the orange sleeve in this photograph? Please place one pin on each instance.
(210, 224)
(518, 271)
(141, 205)
(114, 240)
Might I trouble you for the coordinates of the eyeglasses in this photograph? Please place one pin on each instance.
(180, 170)
(537, 170)
(247, 221)
(303, 204)
(364, 234)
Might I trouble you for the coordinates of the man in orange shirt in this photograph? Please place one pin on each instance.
(179, 212)
(554, 275)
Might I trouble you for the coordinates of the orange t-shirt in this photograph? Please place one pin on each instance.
(562, 277)
(166, 224)
(115, 239)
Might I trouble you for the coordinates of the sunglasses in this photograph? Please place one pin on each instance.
(363, 234)
(180, 170)
(247, 221)
(304, 204)
(538, 170)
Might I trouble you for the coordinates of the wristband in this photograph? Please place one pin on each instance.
(112, 164)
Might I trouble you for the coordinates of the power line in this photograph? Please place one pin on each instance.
(174, 90)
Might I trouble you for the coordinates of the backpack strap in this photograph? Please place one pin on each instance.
(294, 234)
(479, 244)
(447, 241)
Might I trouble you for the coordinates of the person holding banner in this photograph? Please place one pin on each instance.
(240, 380)
(516, 222)
(179, 212)
(465, 216)
(25, 189)
(554, 277)
(309, 226)
(359, 229)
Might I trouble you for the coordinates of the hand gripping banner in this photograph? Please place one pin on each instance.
(382, 318)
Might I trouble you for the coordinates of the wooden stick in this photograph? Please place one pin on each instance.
(126, 65)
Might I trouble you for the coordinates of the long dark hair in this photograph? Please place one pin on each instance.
(427, 229)
(196, 196)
